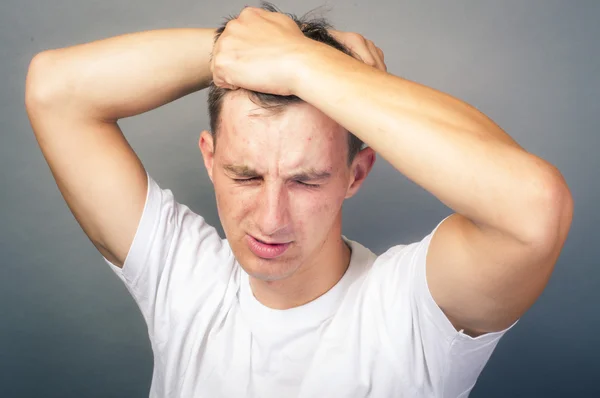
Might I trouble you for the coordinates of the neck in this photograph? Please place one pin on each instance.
(311, 281)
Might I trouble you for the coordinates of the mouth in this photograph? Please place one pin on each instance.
(266, 250)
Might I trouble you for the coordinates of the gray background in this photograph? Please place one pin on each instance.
(69, 328)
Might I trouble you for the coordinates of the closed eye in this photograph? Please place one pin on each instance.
(307, 185)
(243, 180)
(251, 179)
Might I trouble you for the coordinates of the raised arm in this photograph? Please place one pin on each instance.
(74, 98)
(489, 262)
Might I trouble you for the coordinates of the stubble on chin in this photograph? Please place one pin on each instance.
(269, 270)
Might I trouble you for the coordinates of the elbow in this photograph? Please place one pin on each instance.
(41, 88)
(554, 211)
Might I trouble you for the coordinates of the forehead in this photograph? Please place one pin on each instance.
(298, 135)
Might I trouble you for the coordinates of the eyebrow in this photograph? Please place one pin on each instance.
(240, 170)
(303, 175)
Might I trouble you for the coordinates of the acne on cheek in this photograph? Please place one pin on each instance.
(240, 201)
(319, 206)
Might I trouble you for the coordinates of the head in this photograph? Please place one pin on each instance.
(281, 171)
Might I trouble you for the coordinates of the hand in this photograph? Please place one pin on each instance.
(256, 52)
(363, 48)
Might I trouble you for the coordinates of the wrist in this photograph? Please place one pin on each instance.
(303, 59)
(205, 45)
(310, 63)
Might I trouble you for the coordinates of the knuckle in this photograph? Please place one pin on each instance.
(357, 38)
(232, 24)
(248, 10)
(218, 64)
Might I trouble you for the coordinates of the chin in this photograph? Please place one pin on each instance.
(268, 270)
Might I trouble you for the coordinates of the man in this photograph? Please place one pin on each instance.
(286, 306)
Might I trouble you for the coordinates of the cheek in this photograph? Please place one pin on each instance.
(317, 209)
(232, 203)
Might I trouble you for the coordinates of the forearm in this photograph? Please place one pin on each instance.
(439, 142)
(125, 75)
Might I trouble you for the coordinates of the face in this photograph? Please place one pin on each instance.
(280, 181)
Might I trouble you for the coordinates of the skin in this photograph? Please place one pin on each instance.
(489, 262)
(486, 265)
(272, 203)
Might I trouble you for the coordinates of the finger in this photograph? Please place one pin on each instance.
(364, 49)
(222, 83)
(247, 10)
(335, 34)
(250, 13)
(368, 57)
(362, 53)
(371, 61)
(226, 86)
(376, 53)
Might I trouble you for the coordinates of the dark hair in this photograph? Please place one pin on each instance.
(313, 28)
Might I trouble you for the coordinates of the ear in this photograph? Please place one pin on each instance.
(361, 167)
(206, 145)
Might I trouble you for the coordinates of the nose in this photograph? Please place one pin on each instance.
(273, 210)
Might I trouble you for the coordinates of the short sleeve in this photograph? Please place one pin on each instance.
(467, 356)
(174, 261)
(451, 360)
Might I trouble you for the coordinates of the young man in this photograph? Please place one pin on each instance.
(286, 306)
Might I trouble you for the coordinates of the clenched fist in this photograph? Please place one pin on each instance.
(257, 51)
(264, 51)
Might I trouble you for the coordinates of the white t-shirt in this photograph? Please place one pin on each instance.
(377, 333)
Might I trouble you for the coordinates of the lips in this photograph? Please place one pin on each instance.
(269, 243)
(266, 250)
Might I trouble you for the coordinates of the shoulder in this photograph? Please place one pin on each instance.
(378, 273)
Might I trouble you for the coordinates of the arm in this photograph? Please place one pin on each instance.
(74, 97)
(489, 262)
